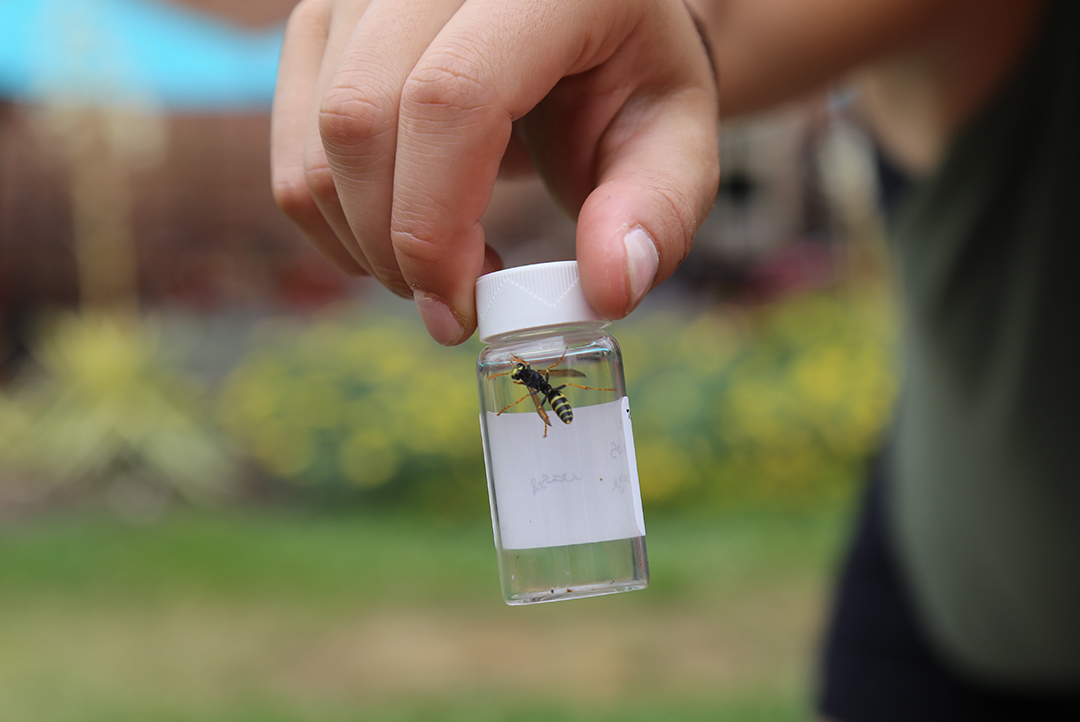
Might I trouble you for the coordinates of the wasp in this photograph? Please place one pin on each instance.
(541, 390)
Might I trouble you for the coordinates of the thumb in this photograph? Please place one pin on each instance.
(657, 182)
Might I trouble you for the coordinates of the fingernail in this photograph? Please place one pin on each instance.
(642, 261)
(439, 319)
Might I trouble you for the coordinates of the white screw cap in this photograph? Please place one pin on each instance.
(544, 294)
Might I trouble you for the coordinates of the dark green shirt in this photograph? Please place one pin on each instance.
(985, 508)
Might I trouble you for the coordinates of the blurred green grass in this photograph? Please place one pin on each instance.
(289, 616)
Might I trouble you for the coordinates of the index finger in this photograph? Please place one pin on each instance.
(457, 108)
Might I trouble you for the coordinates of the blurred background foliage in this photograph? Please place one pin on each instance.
(106, 411)
(773, 406)
(360, 407)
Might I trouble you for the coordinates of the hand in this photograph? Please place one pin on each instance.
(392, 118)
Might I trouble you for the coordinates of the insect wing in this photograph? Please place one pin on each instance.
(572, 373)
(540, 409)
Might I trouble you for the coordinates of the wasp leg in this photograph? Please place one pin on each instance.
(559, 361)
(513, 404)
(531, 393)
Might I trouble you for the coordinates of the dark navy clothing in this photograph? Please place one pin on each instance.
(877, 665)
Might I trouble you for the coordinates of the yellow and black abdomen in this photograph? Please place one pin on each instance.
(561, 406)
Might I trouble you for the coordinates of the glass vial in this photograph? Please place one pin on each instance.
(559, 450)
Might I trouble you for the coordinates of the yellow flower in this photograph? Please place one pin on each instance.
(663, 469)
(368, 458)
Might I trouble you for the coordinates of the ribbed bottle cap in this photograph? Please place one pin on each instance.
(544, 294)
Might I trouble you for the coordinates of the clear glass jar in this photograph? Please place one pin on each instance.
(562, 477)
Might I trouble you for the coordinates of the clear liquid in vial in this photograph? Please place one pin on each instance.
(550, 574)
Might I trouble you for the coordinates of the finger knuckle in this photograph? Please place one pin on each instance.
(416, 246)
(292, 195)
(684, 214)
(447, 84)
(351, 115)
(319, 179)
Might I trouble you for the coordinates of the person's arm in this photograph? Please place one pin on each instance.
(770, 51)
(925, 66)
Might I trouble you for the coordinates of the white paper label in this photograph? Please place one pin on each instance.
(577, 486)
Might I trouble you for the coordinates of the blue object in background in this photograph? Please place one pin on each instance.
(142, 53)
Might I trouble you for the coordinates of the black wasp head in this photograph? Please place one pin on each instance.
(519, 369)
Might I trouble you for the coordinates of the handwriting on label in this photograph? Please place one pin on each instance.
(620, 484)
(617, 449)
(547, 480)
